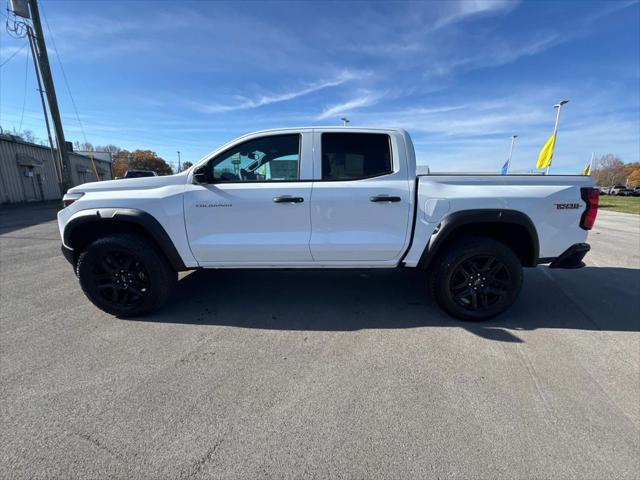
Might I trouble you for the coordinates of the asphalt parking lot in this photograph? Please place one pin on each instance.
(319, 374)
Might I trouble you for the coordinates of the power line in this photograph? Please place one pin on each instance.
(17, 29)
(13, 55)
(66, 82)
(24, 94)
(64, 74)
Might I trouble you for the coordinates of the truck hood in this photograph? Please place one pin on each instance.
(142, 183)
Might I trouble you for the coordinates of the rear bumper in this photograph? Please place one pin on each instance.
(571, 257)
(68, 254)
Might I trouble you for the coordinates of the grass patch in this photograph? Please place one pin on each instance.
(620, 204)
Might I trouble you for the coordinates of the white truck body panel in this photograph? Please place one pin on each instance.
(347, 226)
(161, 197)
(535, 195)
(237, 225)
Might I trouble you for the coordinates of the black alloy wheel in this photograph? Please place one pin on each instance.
(121, 279)
(476, 278)
(479, 282)
(125, 275)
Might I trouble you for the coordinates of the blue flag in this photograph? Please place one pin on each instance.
(505, 167)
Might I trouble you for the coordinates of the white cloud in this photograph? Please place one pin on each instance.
(475, 135)
(247, 103)
(470, 8)
(494, 55)
(346, 107)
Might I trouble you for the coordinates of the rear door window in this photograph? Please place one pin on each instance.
(353, 156)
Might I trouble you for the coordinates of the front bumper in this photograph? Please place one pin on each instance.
(572, 256)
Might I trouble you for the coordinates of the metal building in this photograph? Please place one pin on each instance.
(28, 174)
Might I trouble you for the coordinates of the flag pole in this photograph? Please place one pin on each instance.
(557, 106)
(513, 141)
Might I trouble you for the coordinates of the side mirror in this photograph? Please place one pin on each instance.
(200, 175)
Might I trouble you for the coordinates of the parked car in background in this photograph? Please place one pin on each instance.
(138, 174)
(636, 191)
(604, 190)
(616, 189)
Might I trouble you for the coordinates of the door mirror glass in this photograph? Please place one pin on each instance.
(200, 175)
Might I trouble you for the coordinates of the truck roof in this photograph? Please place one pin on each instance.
(330, 127)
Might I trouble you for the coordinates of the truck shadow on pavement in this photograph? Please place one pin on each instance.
(18, 217)
(347, 300)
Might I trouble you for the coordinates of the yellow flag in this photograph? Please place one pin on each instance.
(544, 159)
(587, 170)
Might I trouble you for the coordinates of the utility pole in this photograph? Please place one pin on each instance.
(178, 162)
(47, 79)
(56, 161)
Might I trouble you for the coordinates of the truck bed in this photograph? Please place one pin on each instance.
(552, 202)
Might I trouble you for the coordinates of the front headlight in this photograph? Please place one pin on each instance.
(69, 198)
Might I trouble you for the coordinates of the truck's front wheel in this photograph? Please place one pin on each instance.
(476, 278)
(125, 275)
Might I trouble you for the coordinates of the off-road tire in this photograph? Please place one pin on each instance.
(125, 275)
(476, 278)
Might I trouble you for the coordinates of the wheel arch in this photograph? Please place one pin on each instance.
(89, 225)
(511, 227)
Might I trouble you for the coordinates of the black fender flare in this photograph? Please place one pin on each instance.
(127, 215)
(451, 222)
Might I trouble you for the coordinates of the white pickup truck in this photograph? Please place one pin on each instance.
(336, 197)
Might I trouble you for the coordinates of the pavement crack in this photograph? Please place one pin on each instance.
(204, 460)
(536, 381)
(98, 444)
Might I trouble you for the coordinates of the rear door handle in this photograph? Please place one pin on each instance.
(287, 199)
(384, 198)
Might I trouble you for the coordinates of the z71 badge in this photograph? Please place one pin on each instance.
(567, 206)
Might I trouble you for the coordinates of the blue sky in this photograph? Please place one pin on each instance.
(461, 77)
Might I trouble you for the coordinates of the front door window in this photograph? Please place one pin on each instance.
(265, 159)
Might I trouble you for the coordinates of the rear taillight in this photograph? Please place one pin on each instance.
(591, 196)
(69, 198)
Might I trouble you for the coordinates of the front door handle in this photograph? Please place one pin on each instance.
(287, 199)
(384, 198)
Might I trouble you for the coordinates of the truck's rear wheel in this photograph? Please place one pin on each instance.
(476, 278)
(125, 275)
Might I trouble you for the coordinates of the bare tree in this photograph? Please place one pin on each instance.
(113, 149)
(83, 146)
(25, 135)
(610, 170)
